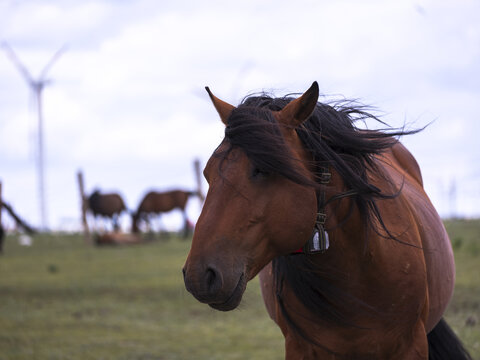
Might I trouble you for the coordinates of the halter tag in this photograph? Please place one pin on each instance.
(319, 241)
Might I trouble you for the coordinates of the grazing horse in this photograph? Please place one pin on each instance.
(106, 205)
(354, 261)
(155, 203)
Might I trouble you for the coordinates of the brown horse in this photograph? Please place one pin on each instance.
(354, 261)
(106, 205)
(154, 203)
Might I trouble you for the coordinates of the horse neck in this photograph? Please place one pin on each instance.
(357, 251)
(321, 285)
(333, 274)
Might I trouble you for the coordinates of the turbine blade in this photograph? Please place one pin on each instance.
(52, 61)
(23, 70)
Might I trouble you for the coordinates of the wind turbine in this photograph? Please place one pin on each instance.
(37, 86)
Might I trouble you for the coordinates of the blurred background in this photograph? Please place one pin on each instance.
(123, 94)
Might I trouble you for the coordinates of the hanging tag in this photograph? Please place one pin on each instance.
(319, 241)
(327, 242)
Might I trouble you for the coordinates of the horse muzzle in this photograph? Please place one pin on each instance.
(219, 290)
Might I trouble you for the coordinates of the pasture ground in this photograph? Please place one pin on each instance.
(63, 299)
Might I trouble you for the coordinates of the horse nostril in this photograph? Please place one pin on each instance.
(213, 279)
(210, 277)
(204, 283)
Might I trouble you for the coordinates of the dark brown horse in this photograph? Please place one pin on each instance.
(155, 203)
(354, 261)
(106, 205)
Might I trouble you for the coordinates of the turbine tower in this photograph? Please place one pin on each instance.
(37, 86)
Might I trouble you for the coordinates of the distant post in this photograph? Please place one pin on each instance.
(83, 201)
(196, 165)
(1, 203)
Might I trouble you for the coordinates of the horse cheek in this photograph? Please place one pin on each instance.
(293, 221)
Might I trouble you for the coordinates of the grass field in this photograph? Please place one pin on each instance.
(63, 299)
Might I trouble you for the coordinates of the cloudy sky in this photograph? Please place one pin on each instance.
(126, 102)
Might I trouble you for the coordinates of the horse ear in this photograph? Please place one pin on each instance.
(224, 109)
(299, 110)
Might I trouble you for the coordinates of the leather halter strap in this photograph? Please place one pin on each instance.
(318, 242)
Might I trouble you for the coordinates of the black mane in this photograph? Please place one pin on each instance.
(332, 138)
(330, 135)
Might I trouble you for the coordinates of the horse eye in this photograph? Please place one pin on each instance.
(256, 173)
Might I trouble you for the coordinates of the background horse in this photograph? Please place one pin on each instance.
(106, 205)
(154, 203)
(354, 261)
(19, 222)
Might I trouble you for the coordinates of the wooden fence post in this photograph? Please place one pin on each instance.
(1, 203)
(2, 230)
(196, 165)
(84, 206)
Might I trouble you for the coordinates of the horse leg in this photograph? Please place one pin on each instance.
(116, 226)
(147, 223)
(162, 230)
(150, 225)
(185, 224)
(141, 223)
(95, 223)
(159, 228)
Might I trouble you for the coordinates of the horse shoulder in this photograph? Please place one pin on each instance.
(122, 204)
(183, 199)
(147, 203)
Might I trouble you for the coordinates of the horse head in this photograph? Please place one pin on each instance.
(257, 207)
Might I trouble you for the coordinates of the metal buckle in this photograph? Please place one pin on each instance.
(321, 218)
(325, 177)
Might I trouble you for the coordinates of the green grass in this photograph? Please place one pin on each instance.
(64, 299)
(463, 314)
